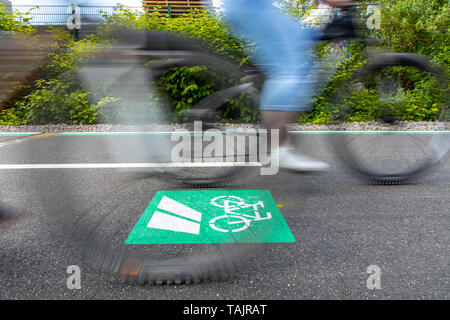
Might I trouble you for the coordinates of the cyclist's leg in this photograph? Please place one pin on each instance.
(274, 119)
(284, 50)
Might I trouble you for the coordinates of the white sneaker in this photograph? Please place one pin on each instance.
(290, 159)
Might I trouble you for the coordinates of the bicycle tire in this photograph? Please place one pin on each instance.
(390, 168)
(174, 51)
(203, 177)
(84, 219)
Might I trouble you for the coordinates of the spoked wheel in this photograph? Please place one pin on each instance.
(393, 152)
(99, 237)
(199, 83)
(126, 232)
(208, 155)
(99, 209)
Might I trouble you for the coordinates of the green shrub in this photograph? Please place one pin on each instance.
(186, 86)
(202, 25)
(15, 21)
(59, 97)
(56, 102)
(52, 102)
(417, 26)
(12, 117)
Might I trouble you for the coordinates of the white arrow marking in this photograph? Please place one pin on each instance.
(165, 221)
(179, 209)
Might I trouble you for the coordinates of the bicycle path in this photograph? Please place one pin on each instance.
(341, 227)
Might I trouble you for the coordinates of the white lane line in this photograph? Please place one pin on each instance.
(127, 165)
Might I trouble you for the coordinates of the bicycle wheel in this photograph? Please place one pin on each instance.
(200, 153)
(95, 224)
(203, 157)
(96, 209)
(396, 151)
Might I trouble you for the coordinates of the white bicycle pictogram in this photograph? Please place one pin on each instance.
(233, 220)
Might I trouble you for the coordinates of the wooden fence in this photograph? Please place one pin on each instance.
(174, 8)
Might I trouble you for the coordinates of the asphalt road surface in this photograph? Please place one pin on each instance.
(341, 226)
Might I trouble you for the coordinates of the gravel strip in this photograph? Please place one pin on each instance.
(367, 126)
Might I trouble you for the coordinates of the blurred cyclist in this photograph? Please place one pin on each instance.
(284, 51)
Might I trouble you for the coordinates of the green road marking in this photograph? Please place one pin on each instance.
(211, 216)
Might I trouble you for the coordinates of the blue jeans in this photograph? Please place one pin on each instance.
(284, 52)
